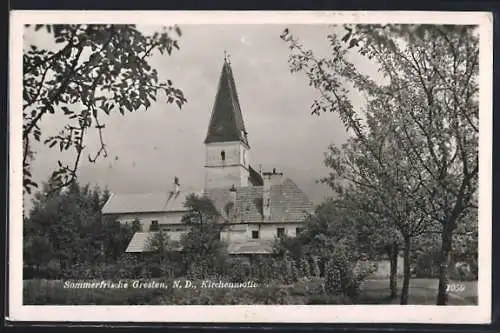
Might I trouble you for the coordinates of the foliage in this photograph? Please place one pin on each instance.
(238, 270)
(328, 246)
(202, 247)
(91, 72)
(382, 186)
(425, 256)
(115, 237)
(65, 229)
(163, 255)
(423, 113)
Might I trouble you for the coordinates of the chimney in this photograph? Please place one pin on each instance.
(270, 179)
(176, 187)
(230, 206)
(232, 194)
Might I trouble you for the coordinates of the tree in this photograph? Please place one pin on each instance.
(113, 237)
(59, 218)
(375, 235)
(37, 249)
(93, 71)
(202, 245)
(66, 227)
(377, 179)
(430, 91)
(163, 252)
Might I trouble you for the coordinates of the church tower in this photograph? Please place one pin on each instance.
(226, 143)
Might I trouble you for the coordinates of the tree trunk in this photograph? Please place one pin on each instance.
(393, 282)
(406, 271)
(446, 240)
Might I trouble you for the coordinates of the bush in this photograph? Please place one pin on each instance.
(238, 270)
(343, 277)
(463, 272)
(427, 262)
(305, 268)
(316, 267)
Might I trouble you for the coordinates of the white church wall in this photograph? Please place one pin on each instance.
(233, 169)
(226, 177)
(163, 218)
(267, 231)
(245, 156)
(235, 233)
(232, 153)
(176, 235)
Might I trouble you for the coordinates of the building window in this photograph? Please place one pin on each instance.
(223, 155)
(180, 229)
(154, 225)
(281, 232)
(255, 234)
(298, 230)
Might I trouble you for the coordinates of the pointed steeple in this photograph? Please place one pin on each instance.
(226, 123)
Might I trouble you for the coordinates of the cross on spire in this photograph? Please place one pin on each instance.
(227, 57)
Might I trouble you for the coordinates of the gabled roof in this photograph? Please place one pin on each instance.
(226, 123)
(146, 202)
(140, 243)
(287, 202)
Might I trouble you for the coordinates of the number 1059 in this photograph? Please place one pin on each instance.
(455, 287)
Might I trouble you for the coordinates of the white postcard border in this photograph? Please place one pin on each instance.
(254, 313)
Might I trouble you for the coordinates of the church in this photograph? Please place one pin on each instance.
(259, 206)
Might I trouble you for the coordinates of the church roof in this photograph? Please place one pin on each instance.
(287, 203)
(145, 202)
(226, 123)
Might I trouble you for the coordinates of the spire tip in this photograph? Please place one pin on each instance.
(227, 57)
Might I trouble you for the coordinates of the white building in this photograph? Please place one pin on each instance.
(259, 206)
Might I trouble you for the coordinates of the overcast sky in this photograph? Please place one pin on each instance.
(147, 149)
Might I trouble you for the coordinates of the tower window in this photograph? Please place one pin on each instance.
(223, 155)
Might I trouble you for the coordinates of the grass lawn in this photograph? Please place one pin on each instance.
(375, 291)
(422, 292)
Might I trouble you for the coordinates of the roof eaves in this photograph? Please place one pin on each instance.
(103, 209)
